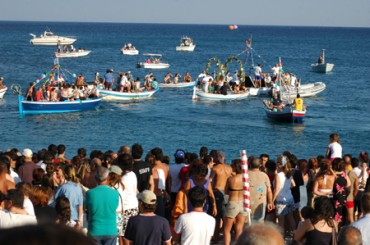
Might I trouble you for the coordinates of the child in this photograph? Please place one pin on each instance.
(334, 147)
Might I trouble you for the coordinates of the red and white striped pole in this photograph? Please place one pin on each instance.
(246, 192)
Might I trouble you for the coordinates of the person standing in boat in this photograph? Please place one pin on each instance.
(59, 47)
(1, 83)
(298, 103)
(108, 79)
(320, 60)
(30, 92)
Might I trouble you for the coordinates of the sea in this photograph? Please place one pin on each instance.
(171, 119)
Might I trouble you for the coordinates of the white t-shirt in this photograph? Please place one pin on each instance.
(335, 150)
(9, 220)
(257, 71)
(15, 176)
(175, 178)
(121, 197)
(28, 206)
(130, 201)
(195, 228)
(284, 193)
(275, 70)
(124, 81)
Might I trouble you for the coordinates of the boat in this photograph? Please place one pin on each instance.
(48, 107)
(177, 85)
(286, 115)
(186, 44)
(199, 94)
(72, 54)
(49, 38)
(153, 61)
(321, 66)
(117, 95)
(305, 90)
(129, 49)
(2, 92)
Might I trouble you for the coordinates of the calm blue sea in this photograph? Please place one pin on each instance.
(171, 119)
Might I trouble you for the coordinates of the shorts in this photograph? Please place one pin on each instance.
(126, 216)
(234, 208)
(283, 208)
(258, 77)
(219, 196)
(350, 204)
(120, 218)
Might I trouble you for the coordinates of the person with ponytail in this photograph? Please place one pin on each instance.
(73, 191)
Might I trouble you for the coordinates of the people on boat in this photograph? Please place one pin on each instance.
(97, 79)
(200, 78)
(59, 47)
(39, 94)
(2, 86)
(298, 103)
(257, 76)
(94, 92)
(108, 80)
(61, 80)
(187, 77)
(268, 80)
(276, 102)
(54, 95)
(167, 78)
(65, 48)
(320, 60)
(80, 80)
(30, 92)
(176, 78)
(137, 87)
(275, 72)
(64, 93)
(148, 82)
(224, 88)
(72, 48)
(75, 92)
(52, 80)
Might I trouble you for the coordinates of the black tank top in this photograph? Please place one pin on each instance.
(318, 237)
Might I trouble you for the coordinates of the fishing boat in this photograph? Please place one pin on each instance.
(186, 44)
(49, 38)
(305, 90)
(2, 92)
(72, 54)
(287, 114)
(129, 49)
(117, 95)
(177, 85)
(199, 94)
(153, 61)
(321, 66)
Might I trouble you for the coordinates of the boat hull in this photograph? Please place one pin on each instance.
(199, 94)
(130, 51)
(189, 48)
(287, 115)
(53, 41)
(42, 107)
(2, 92)
(306, 90)
(177, 85)
(115, 95)
(322, 68)
(152, 65)
(72, 54)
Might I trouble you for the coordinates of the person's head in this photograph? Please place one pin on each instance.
(25, 188)
(364, 157)
(220, 157)
(179, 156)
(70, 173)
(271, 166)
(40, 196)
(355, 162)
(334, 138)
(365, 203)
(115, 175)
(61, 149)
(261, 234)
(203, 152)
(347, 158)
(81, 152)
(124, 150)
(137, 151)
(325, 168)
(199, 172)
(14, 198)
(125, 162)
(338, 165)
(283, 164)
(147, 201)
(27, 155)
(323, 210)
(157, 153)
(256, 163)
(303, 165)
(349, 235)
(307, 212)
(237, 165)
(197, 196)
(208, 160)
(101, 175)
(312, 163)
(63, 209)
(264, 158)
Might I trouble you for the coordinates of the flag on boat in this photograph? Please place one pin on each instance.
(248, 43)
(246, 191)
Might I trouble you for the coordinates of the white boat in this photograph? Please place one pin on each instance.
(73, 54)
(116, 95)
(321, 66)
(199, 94)
(177, 85)
(128, 49)
(2, 92)
(153, 61)
(305, 90)
(48, 38)
(186, 44)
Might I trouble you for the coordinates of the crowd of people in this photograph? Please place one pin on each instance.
(128, 197)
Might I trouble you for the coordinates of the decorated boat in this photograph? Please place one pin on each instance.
(129, 49)
(153, 61)
(177, 85)
(117, 95)
(72, 54)
(186, 44)
(199, 94)
(49, 38)
(321, 66)
(287, 114)
(2, 92)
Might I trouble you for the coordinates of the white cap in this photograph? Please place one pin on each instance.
(27, 153)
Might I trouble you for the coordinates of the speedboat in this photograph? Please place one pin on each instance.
(72, 54)
(199, 94)
(305, 90)
(186, 44)
(321, 66)
(287, 114)
(117, 95)
(177, 85)
(48, 38)
(2, 92)
(153, 61)
(129, 49)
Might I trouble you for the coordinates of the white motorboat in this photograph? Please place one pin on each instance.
(153, 61)
(199, 94)
(72, 54)
(305, 90)
(177, 85)
(2, 92)
(321, 66)
(186, 44)
(129, 49)
(116, 95)
(48, 38)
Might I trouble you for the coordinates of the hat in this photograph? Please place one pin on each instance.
(180, 154)
(147, 197)
(115, 169)
(102, 173)
(27, 153)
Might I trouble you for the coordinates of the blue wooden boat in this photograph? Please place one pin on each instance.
(48, 107)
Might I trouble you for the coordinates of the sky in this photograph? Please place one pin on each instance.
(338, 13)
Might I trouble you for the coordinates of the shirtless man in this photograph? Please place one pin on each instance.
(5, 184)
(160, 174)
(220, 173)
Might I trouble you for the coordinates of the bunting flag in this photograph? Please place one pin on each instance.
(246, 192)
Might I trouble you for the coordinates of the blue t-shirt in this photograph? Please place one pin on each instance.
(74, 193)
(101, 203)
(108, 77)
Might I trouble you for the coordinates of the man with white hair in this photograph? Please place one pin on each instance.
(25, 171)
(363, 223)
